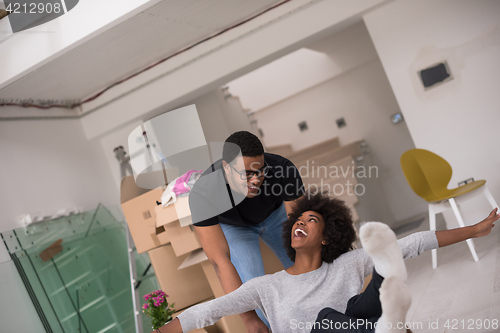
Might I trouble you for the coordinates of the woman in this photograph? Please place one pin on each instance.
(319, 293)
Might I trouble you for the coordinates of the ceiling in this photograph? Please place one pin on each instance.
(145, 38)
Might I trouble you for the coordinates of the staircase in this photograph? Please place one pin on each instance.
(327, 166)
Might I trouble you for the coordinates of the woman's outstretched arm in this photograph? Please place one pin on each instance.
(243, 299)
(173, 326)
(483, 228)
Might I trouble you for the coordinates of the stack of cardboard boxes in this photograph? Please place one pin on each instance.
(181, 267)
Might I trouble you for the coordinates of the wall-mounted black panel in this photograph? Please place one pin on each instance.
(435, 74)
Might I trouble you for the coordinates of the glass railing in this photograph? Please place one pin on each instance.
(76, 271)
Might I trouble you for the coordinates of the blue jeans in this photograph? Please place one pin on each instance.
(245, 250)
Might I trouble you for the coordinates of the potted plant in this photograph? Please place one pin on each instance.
(157, 308)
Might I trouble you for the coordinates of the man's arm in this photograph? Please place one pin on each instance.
(483, 228)
(215, 245)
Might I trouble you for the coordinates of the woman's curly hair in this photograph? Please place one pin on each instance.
(339, 231)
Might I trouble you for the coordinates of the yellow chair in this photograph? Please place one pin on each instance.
(428, 175)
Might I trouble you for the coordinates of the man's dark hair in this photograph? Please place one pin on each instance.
(248, 143)
(339, 231)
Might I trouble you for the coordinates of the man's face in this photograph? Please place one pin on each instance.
(240, 169)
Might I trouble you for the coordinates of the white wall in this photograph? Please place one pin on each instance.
(17, 313)
(212, 119)
(235, 115)
(457, 120)
(364, 98)
(318, 62)
(110, 141)
(48, 165)
(220, 117)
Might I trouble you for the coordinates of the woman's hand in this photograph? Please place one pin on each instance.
(484, 227)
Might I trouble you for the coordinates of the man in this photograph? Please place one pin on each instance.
(245, 195)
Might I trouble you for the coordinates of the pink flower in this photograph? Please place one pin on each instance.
(145, 306)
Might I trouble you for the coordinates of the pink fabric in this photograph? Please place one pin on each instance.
(179, 186)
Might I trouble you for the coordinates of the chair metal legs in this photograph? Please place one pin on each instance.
(432, 224)
(436, 208)
(470, 243)
(488, 196)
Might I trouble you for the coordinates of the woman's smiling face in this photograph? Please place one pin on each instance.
(307, 232)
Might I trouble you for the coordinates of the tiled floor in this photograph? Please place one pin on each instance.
(463, 293)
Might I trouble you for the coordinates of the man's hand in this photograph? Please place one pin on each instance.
(253, 323)
(484, 227)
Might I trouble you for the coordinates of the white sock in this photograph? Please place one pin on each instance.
(396, 300)
(380, 242)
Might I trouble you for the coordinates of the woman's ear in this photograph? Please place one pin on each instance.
(323, 242)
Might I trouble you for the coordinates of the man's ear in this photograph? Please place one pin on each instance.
(225, 166)
(323, 242)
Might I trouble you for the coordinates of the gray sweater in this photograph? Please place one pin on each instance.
(291, 303)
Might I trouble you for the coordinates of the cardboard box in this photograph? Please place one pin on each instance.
(176, 221)
(138, 207)
(185, 287)
(183, 239)
(178, 211)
